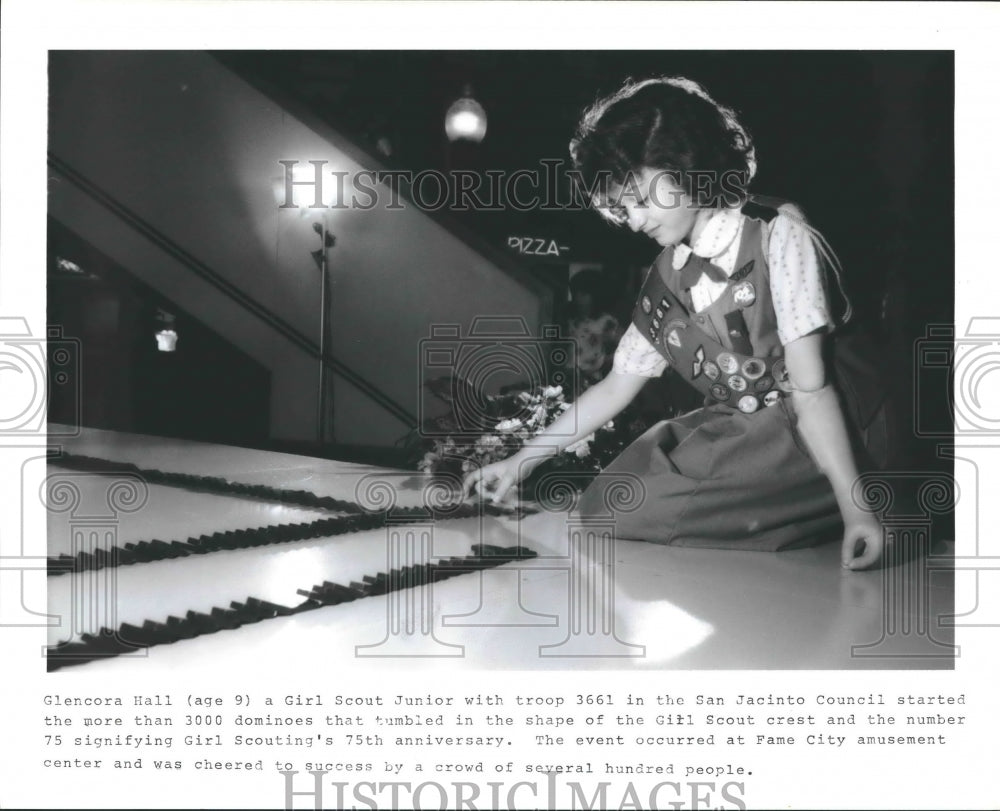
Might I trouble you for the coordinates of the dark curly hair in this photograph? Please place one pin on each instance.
(665, 123)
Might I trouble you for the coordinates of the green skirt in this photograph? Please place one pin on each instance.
(717, 477)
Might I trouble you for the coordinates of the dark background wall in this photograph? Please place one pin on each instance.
(862, 140)
(206, 389)
(168, 162)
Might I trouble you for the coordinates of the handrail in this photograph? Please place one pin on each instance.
(227, 288)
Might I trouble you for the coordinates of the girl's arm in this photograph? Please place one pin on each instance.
(598, 404)
(595, 407)
(821, 425)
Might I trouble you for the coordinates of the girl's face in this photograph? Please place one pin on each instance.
(658, 207)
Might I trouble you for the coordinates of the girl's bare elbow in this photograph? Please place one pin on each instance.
(806, 380)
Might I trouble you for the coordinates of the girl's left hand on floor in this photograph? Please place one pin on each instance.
(863, 543)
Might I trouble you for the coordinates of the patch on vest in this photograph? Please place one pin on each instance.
(728, 363)
(743, 272)
(744, 294)
(752, 368)
(780, 372)
(737, 384)
(699, 360)
(720, 392)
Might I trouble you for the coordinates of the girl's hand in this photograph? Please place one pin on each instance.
(497, 478)
(863, 542)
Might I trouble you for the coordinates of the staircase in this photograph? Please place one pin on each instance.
(168, 163)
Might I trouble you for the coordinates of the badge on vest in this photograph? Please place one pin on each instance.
(699, 362)
(720, 392)
(744, 294)
(752, 368)
(728, 363)
(743, 272)
(731, 375)
(780, 372)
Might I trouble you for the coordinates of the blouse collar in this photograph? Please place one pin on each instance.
(714, 239)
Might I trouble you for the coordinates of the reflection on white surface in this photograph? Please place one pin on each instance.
(688, 608)
(316, 562)
(666, 630)
(169, 514)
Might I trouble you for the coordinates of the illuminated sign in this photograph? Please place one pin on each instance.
(535, 246)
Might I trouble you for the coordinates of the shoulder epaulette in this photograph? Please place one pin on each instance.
(760, 207)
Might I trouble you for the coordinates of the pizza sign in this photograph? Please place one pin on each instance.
(536, 246)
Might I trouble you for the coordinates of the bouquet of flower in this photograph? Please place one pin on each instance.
(509, 420)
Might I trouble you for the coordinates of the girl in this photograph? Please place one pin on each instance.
(736, 304)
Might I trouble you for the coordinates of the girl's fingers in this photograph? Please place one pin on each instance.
(503, 486)
(848, 549)
(499, 492)
(866, 558)
(483, 478)
(470, 481)
(861, 550)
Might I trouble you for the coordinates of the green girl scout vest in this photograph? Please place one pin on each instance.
(729, 351)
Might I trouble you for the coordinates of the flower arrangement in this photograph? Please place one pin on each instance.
(508, 420)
